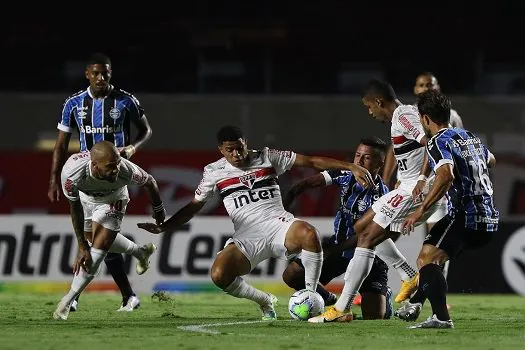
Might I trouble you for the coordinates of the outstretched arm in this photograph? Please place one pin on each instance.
(299, 187)
(323, 163)
(178, 219)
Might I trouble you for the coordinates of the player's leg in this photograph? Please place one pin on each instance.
(115, 265)
(102, 240)
(376, 303)
(232, 263)
(303, 238)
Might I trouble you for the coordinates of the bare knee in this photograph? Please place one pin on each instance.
(220, 276)
(303, 236)
(431, 255)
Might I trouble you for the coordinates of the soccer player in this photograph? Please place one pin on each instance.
(460, 161)
(95, 184)
(246, 180)
(390, 210)
(338, 252)
(101, 112)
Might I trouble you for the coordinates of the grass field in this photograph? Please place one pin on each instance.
(482, 322)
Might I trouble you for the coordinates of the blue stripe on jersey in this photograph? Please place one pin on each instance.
(471, 192)
(354, 202)
(99, 119)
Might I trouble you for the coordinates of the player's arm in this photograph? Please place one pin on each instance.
(77, 218)
(324, 163)
(58, 159)
(390, 166)
(144, 131)
(299, 187)
(339, 248)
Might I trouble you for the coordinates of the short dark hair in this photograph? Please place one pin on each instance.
(379, 88)
(229, 133)
(98, 58)
(434, 104)
(376, 143)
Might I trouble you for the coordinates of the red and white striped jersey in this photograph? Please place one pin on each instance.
(250, 195)
(407, 132)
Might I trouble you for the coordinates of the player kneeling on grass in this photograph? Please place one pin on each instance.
(246, 180)
(338, 251)
(95, 183)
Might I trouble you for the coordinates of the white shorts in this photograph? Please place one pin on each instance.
(393, 208)
(264, 240)
(438, 214)
(108, 215)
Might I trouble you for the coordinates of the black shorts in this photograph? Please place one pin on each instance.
(335, 265)
(450, 235)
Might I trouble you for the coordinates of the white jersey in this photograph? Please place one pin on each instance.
(79, 182)
(455, 119)
(407, 132)
(251, 195)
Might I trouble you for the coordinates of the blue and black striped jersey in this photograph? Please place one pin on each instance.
(471, 191)
(98, 119)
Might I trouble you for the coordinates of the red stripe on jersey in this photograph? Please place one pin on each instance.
(235, 180)
(397, 140)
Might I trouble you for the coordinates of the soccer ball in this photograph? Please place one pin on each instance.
(304, 304)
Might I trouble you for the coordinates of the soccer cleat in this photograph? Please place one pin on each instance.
(407, 288)
(332, 299)
(268, 311)
(433, 322)
(389, 305)
(143, 264)
(409, 311)
(74, 306)
(62, 311)
(131, 304)
(332, 315)
(357, 300)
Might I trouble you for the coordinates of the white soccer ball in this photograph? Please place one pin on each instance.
(304, 304)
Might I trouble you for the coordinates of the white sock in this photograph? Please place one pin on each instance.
(313, 263)
(81, 281)
(121, 244)
(240, 289)
(356, 272)
(389, 253)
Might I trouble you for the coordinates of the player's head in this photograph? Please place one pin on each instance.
(370, 154)
(105, 161)
(377, 96)
(232, 145)
(434, 111)
(98, 72)
(424, 82)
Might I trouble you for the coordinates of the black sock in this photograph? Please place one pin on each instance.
(115, 264)
(322, 292)
(435, 287)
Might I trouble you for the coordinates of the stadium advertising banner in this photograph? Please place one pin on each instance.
(36, 254)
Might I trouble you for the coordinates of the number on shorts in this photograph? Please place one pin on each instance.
(394, 201)
(116, 206)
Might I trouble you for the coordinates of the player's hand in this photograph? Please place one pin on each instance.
(150, 227)
(127, 152)
(417, 192)
(363, 176)
(82, 261)
(159, 216)
(53, 193)
(408, 225)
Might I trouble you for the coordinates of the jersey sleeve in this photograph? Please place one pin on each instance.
(410, 124)
(134, 174)
(135, 109)
(282, 161)
(207, 186)
(337, 177)
(67, 118)
(69, 184)
(439, 152)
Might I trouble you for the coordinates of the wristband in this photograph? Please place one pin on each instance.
(422, 178)
(158, 207)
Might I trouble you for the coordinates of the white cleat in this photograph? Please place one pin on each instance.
(143, 264)
(433, 322)
(62, 311)
(74, 306)
(268, 311)
(132, 304)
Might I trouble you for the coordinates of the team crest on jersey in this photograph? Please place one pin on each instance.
(114, 113)
(248, 180)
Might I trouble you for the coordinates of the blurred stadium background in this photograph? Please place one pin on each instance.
(289, 74)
